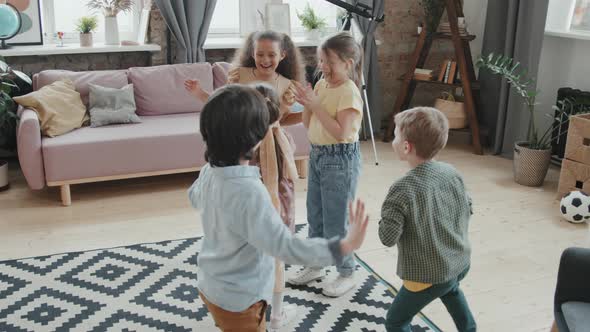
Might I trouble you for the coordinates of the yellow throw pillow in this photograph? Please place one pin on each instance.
(58, 105)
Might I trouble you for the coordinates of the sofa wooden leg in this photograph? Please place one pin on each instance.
(302, 167)
(66, 197)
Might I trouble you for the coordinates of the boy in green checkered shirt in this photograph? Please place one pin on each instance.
(426, 213)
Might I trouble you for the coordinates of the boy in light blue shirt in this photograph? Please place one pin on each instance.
(242, 229)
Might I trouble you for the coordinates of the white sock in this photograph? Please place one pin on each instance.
(277, 304)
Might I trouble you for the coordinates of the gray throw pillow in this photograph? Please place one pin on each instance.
(110, 106)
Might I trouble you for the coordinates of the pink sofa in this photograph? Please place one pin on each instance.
(167, 141)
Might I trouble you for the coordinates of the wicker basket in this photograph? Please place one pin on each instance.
(454, 111)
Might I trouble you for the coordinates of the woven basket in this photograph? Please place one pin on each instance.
(530, 166)
(454, 111)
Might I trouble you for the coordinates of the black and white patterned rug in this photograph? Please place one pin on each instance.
(152, 287)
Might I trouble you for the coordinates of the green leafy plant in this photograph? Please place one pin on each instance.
(518, 79)
(310, 20)
(8, 85)
(86, 24)
(110, 8)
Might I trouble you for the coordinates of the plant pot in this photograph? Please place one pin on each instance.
(4, 185)
(111, 30)
(86, 40)
(530, 166)
(312, 34)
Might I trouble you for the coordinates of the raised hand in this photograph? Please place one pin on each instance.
(305, 96)
(195, 89)
(358, 222)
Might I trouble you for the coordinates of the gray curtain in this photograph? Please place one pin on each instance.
(371, 65)
(514, 28)
(188, 21)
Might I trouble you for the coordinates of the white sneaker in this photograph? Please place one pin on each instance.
(288, 313)
(306, 275)
(339, 286)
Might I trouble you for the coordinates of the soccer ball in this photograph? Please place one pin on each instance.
(575, 207)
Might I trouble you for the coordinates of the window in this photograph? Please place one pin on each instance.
(62, 15)
(225, 18)
(323, 8)
(581, 16)
(233, 18)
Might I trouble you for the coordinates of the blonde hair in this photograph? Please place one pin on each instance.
(426, 128)
(346, 48)
(290, 67)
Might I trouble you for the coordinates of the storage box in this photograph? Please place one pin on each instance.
(454, 111)
(578, 139)
(574, 176)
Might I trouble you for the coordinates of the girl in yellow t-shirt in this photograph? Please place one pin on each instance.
(270, 57)
(333, 114)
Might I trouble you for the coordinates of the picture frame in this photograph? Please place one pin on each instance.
(278, 17)
(31, 31)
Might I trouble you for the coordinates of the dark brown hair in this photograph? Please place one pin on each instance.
(272, 101)
(232, 122)
(346, 48)
(291, 66)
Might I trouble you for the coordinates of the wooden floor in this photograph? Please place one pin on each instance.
(516, 233)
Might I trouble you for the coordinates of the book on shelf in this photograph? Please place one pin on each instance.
(443, 69)
(446, 29)
(447, 71)
(452, 72)
(423, 74)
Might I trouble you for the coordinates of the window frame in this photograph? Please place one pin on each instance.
(71, 37)
(242, 14)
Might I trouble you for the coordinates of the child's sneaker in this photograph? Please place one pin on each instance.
(339, 286)
(287, 315)
(306, 275)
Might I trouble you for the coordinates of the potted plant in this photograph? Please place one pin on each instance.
(86, 25)
(312, 22)
(533, 155)
(110, 9)
(9, 80)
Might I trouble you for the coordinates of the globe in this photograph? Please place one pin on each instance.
(10, 21)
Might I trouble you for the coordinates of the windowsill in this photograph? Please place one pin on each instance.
(53, 49)
(573, 34)
(216, 43)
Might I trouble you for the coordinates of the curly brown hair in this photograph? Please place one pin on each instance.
(291, 66)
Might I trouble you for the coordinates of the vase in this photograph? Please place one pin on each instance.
(312, 34)
(111, 30)
(4, 185)
(86, 40)
(530, 166)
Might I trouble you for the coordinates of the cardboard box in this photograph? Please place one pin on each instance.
(574, 176)
(577, 147)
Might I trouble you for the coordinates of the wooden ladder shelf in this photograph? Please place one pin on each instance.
(468, 83)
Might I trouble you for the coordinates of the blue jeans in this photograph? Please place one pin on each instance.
(332, 180)
(407, 304)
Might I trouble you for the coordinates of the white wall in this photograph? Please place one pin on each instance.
(564, 63)
(475, 15)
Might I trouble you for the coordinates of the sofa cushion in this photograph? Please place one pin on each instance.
(158, 143)
(58, 107)
(577, 316)
(220, 70)
(111, 106)
(160, 90)
(107, 78)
